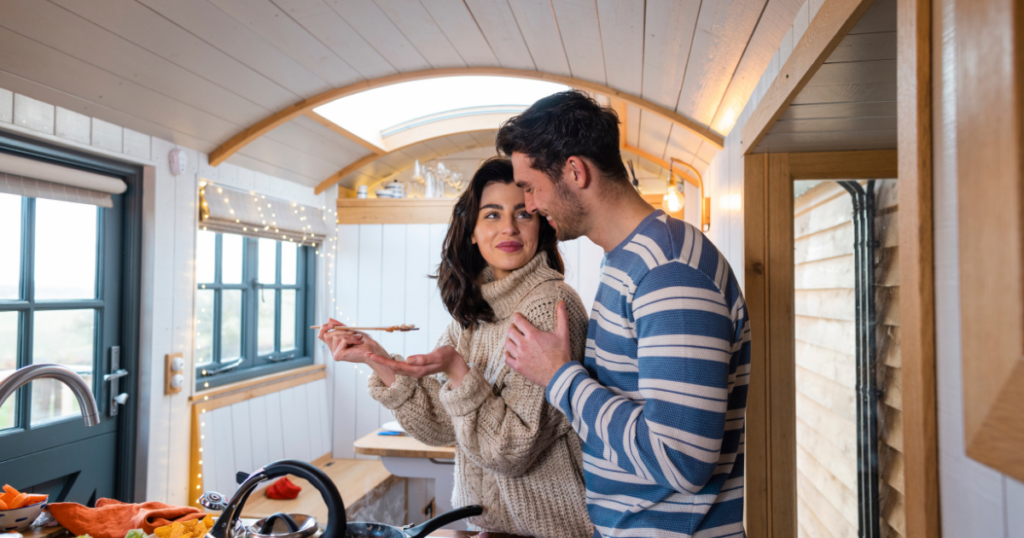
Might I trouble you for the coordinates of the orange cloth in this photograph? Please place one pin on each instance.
(113, 519)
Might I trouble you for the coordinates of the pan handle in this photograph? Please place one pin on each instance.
(431, 525)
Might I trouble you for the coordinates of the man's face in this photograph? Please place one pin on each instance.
(553, 200)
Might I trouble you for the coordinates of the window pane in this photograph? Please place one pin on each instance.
(265, 336)
(8, 363)
(10, 245)
(230, 325)
(65, 250)
(268, 261)
(60, 337)
(287, 319)
(231, 259)
(206, 256)
(204, 326)
(289, 257)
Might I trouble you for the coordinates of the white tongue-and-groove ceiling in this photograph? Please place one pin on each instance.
(198, 72)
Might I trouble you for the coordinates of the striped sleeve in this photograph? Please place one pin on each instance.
(670, 432)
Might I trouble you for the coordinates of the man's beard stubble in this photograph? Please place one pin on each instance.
(568, 213)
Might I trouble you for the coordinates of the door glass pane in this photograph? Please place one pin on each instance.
(846, 328)
(230, 325)
(265, 331)
(206, 256)
(231, 258)
(60, 337)
(289, 257)
(268, 261)
(10, 245)
(204, 326)
(8, 363)
(65, 232)
(287, 319)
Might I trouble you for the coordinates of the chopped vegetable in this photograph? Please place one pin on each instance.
(13, 499)
(136, 533)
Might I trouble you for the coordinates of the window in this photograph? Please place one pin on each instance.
(51, 311)
(254, 304)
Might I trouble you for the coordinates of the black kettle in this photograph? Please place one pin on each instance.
(228, 521)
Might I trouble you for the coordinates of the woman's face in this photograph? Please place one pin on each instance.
(505, 232)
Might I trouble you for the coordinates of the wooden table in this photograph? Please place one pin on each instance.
(404, 456)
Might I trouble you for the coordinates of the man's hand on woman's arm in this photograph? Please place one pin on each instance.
(535, 354)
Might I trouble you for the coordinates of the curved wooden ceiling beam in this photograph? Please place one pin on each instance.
(369, 158)
(275, 120)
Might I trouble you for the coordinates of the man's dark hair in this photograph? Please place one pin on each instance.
(560, 126)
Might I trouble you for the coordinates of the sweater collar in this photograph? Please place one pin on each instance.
(504, 295)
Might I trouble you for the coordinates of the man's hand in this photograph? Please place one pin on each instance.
(443, 359)
(536, 354)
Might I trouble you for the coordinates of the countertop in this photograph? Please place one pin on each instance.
(401, 446)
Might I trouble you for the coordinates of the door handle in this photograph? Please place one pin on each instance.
(121, 372)
(117, 398)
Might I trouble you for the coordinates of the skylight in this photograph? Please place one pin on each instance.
(373, 113)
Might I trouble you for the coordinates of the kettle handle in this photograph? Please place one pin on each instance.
(335, 506)
(268, 524)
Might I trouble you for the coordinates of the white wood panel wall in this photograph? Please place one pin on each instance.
(381, 277)
(290, 424)
(723, 179)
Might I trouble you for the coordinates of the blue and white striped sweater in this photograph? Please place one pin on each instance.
(659, 400)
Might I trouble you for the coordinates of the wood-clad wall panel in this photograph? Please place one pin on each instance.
(241, 437)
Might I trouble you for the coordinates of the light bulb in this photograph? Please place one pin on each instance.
(673, 200)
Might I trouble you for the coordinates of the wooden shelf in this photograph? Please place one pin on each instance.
(395, 210)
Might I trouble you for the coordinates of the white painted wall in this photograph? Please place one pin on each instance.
(724, 176)
(168, 285)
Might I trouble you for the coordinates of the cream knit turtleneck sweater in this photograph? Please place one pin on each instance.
(515, 454)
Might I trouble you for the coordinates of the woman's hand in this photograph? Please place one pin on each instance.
(443, 359)
(349, 346)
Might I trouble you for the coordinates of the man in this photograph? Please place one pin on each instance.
(659, 400)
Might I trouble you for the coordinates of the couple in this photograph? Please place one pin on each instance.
(635, 415)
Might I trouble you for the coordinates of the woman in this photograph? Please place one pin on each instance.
(516, 455)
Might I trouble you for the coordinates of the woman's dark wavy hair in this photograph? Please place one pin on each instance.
(461, 261)
(562, 125)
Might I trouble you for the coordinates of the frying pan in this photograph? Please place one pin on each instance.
(358, 529)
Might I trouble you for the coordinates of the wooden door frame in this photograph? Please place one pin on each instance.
(770, 450)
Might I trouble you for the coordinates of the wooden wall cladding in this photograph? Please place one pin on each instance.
(395, 211)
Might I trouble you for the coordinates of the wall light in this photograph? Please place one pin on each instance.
(705, 202)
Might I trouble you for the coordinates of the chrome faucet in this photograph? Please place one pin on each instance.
(82, 390)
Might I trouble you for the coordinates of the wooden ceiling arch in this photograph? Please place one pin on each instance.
(281, 117)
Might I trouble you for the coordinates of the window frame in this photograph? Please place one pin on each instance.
(253, 364)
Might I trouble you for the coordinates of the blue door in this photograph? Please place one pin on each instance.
(69, 284)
